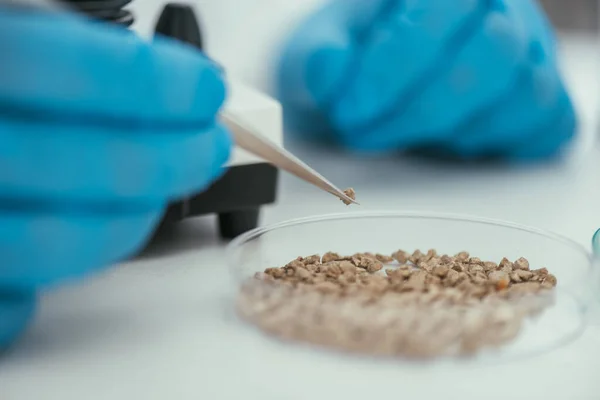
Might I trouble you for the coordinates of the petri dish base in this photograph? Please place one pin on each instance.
(560, 322)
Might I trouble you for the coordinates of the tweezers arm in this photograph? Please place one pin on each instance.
(260, 146)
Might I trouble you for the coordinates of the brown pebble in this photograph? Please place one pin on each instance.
(370, 264)
(474, 268)
(401, 256)
(524, 275)
(441, 271)
(330, 256)
(275, 272)
(489, 266)
(392, 272)
(549, 281)
(446, 259)
(514, 277)
(383, 258)
(416, 257)
(459, 267)
(350, 193)
(475, 260)
(461, 277)
(358, 259)
(505, 263)
(462, 256)
(346, 267)
(303, 274)
(425, 266)
(417, 281)
(431, 253)
(332, 269)
(451, 277)
(521, 263)
(500, 279)
(315, 258)
(313, 267)
(406, 273)
(296, 261)
(479, 279)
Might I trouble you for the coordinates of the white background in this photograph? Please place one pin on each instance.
(161, 327)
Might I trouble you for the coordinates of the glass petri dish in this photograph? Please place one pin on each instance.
(562, 319)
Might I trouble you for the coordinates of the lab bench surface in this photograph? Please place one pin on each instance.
(161, 327)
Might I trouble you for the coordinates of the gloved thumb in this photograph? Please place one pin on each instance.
(318, 56)
(16, 310)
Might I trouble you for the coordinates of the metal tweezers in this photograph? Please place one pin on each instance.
(250, 140)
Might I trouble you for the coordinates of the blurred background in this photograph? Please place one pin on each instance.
(573, 15)
(244, 37)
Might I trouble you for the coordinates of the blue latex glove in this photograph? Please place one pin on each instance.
(471, 77)
(99, 131)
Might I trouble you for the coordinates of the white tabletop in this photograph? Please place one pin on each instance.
(162, 327)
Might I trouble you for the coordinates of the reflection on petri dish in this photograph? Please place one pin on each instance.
(385, 232)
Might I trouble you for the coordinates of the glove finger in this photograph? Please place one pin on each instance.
(534, 102)
(40, 246)
(471, 82)
(63, 66)
(51, 162)
(318, 55)
(537, 23)
(527, 109)
(534, 139)
(16, 310)
(396, 55)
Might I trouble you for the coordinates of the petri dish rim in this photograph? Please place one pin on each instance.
(257, 232)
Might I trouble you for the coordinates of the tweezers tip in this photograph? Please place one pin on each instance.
(349, 201)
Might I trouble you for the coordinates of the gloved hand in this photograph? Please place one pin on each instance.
(476, 78)
(99, 131)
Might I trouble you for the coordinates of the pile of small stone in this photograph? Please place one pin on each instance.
(423, 305)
